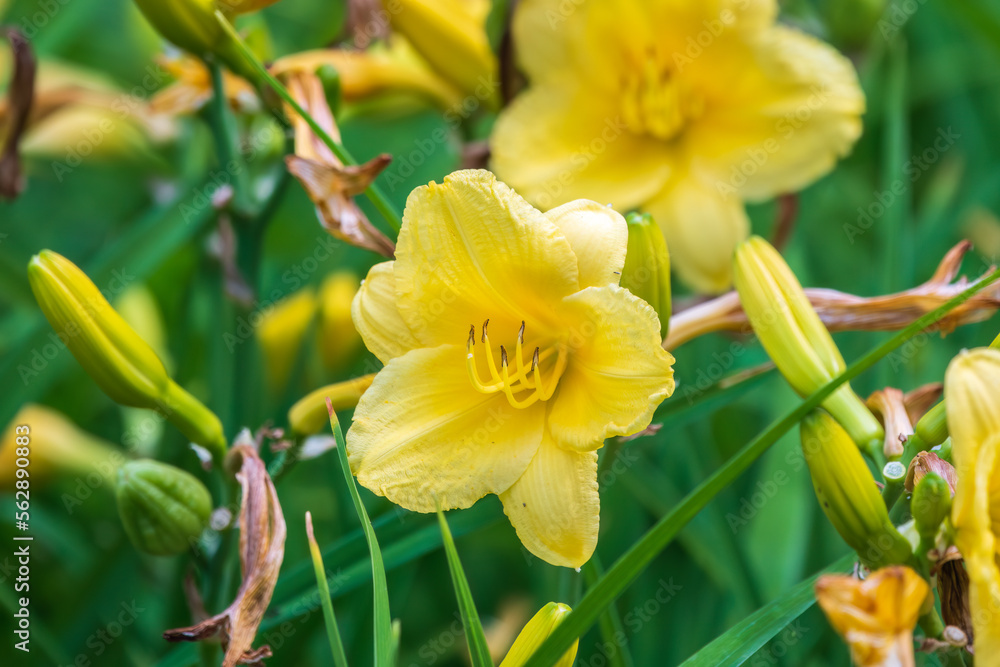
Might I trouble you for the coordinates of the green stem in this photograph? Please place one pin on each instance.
(374, 193)
(627, 568)
(226, 135)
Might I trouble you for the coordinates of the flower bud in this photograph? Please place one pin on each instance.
(163, 508)
(647, 266)
(930, 504)
(124, 366)
(310, 415)
(972, 396)
(281, 334)
(537, 631)
(189, 24)
(338, 338)
(795, 338)
(876, 616)
(848, 494)
(932, 428)
(451, 36)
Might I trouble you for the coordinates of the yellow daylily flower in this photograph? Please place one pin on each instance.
(876, 616)
(972, 397)
(510, 354)
(536, 631)
(281, 334)
(451, 35)
(685, 109)
(338, 339)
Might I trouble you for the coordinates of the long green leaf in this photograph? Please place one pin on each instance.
(479, 652)
(384, 653)
(738, 643)
(627, 568)
(612, 630)
(332, 633)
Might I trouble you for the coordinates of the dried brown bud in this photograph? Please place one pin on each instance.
(925, 462)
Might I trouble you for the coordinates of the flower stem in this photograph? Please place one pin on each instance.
(374, 193)
(226, 137)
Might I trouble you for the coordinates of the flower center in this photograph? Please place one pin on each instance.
(522, 383)
(655, 101)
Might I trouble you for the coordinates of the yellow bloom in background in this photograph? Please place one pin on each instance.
(876, 616)
(451, 36)
(510, 354)
(972, 397)
(796, 339)
(57, 447)
(382, 68)
(536, 631)
(338, 339)
(685, 109)
(281, 334)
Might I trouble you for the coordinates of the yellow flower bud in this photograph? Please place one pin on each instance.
(647, 266)
(847, 492)
(535, 632)
(876, 616)
(56, 446)
(795, 338)
(972, 395)
(451, 36)
(162, 508)
(338, 339)
(124, 366)
(309, 415)
(281, 334)
(189, 24)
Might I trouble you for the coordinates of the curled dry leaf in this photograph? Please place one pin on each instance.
(925, 462)
(330, 185)
(848, 312)
(953, 587)
(262, 548)
(20, 96)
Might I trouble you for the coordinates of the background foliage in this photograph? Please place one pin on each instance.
(936, 71)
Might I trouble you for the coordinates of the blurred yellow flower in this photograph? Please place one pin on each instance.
(536, 631)
(510, 354)
(972, 397)
(338, 339)
(876, 616)
(685, 109)
(451, 35)
(281, 334)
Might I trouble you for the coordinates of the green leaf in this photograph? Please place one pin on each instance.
(332, 633)
(627, 568)
(384, 652)
(612, 630)
(741, 641)
(479, 652)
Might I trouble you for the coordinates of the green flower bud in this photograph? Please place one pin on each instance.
(163, 508)
(795, 338)
(932, 428)
(537, 631)
(848, 494)
(647, 266)
(930, 504)
(122, 364)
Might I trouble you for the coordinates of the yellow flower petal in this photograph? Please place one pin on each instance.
(599, 237)
(555, 507)
(702, 226)
(618, 372)
(376, 317)
(471, 249)
(421, 432)
(554, 144)
(794, 114)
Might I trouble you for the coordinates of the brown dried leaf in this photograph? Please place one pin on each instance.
(330, 185)
(262, 548)
(953, 587)
(847, 312)
(922, 399)
(20, 97)
(367, 21)
(888, 405)
(925, 462)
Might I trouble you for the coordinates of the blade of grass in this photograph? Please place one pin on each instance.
(332, 633)
(384, 654)
(736, 645)
(479, 652)
(627, 568)
(612, 630)
(374, 193)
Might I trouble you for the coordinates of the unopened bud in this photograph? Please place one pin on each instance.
(537, 631)
(795, 338)
(310, 415)
(647, 266)
(848, 494)
(930, 505)
(163, 508)
(932, 428)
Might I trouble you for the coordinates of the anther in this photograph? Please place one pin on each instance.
(472, 335)
(520, 333)
(503, 356)
(485, 324)
(534, 360)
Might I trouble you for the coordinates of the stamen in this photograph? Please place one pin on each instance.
(520, 333)
(485, 324)
(534, 360)
(472, 336)
(503, 359)
(523, 378)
